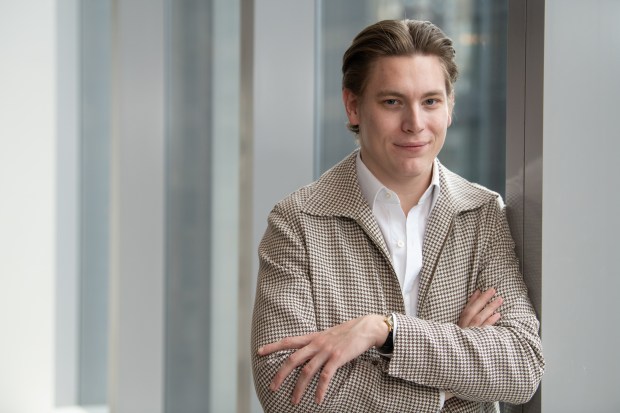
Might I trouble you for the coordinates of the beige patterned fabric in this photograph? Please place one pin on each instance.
(323, 261)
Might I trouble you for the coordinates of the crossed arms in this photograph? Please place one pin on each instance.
(305, 353)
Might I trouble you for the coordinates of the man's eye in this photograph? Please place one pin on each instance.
(391, 102)
(430, 102)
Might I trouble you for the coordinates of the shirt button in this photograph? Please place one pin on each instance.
(388, 195)
(400, 243)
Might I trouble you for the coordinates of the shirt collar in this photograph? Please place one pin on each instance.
(371, 186)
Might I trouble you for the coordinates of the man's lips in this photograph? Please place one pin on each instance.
(411, 145)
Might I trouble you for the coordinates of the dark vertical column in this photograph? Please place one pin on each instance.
(524, 147)
(533, 164)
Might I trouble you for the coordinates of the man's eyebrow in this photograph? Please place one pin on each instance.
(388, 92)
(433, 93)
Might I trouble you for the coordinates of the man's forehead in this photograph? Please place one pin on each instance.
(395, 62)
(391, 73)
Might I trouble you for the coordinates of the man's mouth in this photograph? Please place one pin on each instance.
(412, 144)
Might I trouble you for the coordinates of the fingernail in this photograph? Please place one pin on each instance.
(272, 386)
(260, 350)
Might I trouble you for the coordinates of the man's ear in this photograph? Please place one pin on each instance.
(450, 108)
(351, 105)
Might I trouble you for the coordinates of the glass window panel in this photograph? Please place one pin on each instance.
(475, 145)
(95, 51)
(188, 204)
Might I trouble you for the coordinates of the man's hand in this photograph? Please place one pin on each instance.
(480, 310)
(326, 351)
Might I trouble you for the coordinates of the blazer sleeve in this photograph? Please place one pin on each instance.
(284, 307)
(499, 363)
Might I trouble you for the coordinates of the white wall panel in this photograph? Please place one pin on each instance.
(581, 272)
(27, 206)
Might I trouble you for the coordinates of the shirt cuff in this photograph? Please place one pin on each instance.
(442, 399)
(394, 328)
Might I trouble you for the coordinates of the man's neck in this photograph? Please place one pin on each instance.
(409, 190)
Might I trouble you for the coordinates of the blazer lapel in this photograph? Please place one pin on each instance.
(437, 231)
(455, 196)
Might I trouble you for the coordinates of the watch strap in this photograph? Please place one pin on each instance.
(388, 346)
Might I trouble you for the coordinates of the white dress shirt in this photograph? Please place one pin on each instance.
(403, 234)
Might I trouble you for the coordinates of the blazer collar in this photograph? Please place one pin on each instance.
(337, 193)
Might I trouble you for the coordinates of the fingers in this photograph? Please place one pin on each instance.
(306, 374)
(489, 315)
(291, 363)
(294, 360)
(492, 320)
(480, 310)
(325, 378)
(474, 297)
(288, 343)
(323, 353)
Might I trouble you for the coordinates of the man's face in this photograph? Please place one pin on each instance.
(403, 115)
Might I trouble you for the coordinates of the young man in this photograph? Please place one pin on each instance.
(391, 283)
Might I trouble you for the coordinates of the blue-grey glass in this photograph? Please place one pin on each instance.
(94, 140)
(475, 144)
(188, 205)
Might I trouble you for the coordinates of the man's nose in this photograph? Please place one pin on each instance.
(412, 121)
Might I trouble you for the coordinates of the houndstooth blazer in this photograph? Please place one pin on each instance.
(323, 261)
